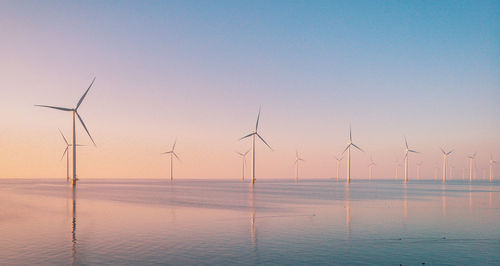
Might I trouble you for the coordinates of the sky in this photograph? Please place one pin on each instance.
(198, 71)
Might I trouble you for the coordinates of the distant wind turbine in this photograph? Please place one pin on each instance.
(491, 162)
(172, 154)
(348, 149)
(471, 160)
(67, 154)
(407, 150)
(419, 164)
(297, 160)
(338, 166)
(445, 157)
(244, 162)
(253, 134)
(397, 169)
(370, 168)
(75, 112)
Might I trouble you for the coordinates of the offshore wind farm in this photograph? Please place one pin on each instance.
(230, 80)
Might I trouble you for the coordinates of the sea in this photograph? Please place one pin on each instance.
(231, 222)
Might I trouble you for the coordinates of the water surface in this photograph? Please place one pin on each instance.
(230, 222)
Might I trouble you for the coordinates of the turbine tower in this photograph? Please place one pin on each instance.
(445, 157)
(172, 154)
(75, 113)
(67, 154)
(338, 166)
(253, 134)
(297, 160)
(348, 149)
(370, 168)
(471, 160)
(407, 150)
(491, 162)
(244, 162)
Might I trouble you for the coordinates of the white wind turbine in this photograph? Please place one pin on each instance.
(370, 168)
(75, 113)
(491, 162)
(244, 162)
(296, 162)
(471, 160)
(348, 149)
(397, 169)
(253, 134)
(67, 154)
(419, 164)
(338, 166)
(407, 150)
(172, 154)
(445, 157)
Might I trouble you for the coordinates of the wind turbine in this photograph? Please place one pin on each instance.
(370, 168)
(253, 134)
(172, 154)
(348, 149)
(297, 160)
(338, 166)
(445, 157)
(419, 164)
(407, 150)
(75, 112)
(397, 169)
(491, 162)
(471, 159)
(244, 159)
(67, 154)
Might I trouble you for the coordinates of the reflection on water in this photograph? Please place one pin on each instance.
(73, 223)
(207, 222)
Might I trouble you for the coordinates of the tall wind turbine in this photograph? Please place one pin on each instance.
(419, 164)
(172, 154)
(370, 168)
(67, 154)
(244, 162)
(348, 149)
(253, 134)
(75, 113)
(471, 159)
(297, 160)
(445, 157)
(491, 162)
(338, 166)
(407, 150)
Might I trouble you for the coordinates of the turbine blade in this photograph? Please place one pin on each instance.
(406, 143)
(167, 152)
(413, 151)
(449, 152)
(65, 150)
(257, 124)
(357, 147)
(85, 127)
(442, 150)
(173, 147)
(55, 107)
(346, 148)
(350, 133)
(263, 141)
(246, 152)
(63, 137)
(249, 135)
(176, 156)
(239, 153)
(85, 94)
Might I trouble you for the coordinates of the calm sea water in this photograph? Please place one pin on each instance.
(228, 222)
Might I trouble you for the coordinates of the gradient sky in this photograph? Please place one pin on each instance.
(199, 70)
